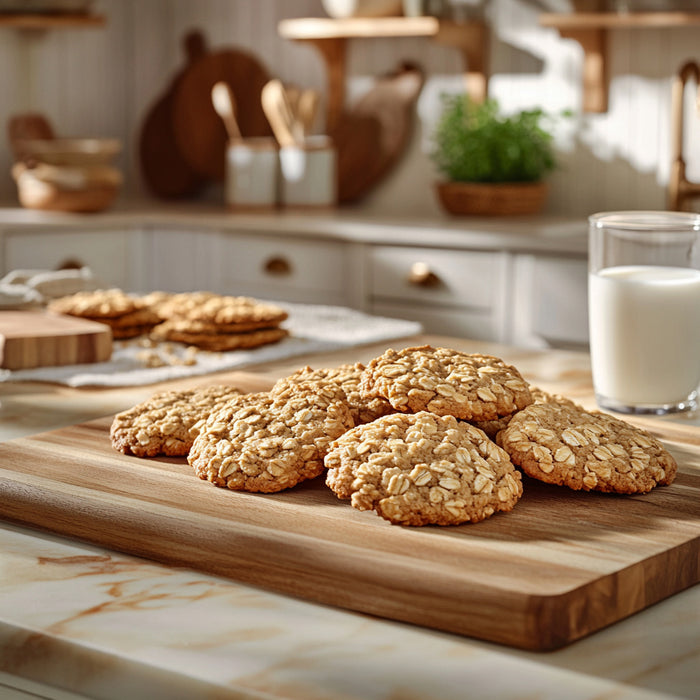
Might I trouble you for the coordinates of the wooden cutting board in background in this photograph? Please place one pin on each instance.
(560, 566)
(372, 135)
(166, 173)
(42, 339)
(199, 131)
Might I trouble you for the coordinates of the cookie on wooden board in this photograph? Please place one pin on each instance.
(421, 469)
(167, 423)
(493, 427)
(446, 382)
(588, 451)
(348, 378)
(269, 442)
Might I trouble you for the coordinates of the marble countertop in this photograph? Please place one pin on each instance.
(81, 621)
(522, 233)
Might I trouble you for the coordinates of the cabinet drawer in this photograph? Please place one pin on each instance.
(458, 278)
(106, 253)
(277, 268)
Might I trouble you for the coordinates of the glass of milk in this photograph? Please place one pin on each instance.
(644, 310)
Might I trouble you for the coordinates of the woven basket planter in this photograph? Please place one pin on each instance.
(492, 199)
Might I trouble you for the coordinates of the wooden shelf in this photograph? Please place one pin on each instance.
(619, 20)
(590, 30)
(55, 21)
(329, 36)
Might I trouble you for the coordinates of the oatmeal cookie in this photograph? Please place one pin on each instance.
(97, 305)
(446, 382)
(421, 469)
(167, 423)
(493, 427)
(587, 451)
(216, 309)
(348, 378)
(187, 325)
(221, 342)
(269, 442)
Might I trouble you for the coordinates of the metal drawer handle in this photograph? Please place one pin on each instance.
(421, 275)
(277, 266)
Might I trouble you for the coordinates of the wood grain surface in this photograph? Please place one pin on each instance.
(562, 565)
(166, 173)
(40, 339)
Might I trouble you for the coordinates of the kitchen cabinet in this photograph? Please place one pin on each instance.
(184, 259)
(115, 256)
(277, 267)
(520, 282)
(460, 292)
(549, 301)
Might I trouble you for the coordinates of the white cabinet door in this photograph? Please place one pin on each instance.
(287, 269)
(454, 292)
(550, 302)
(184, 260)
(115, 257)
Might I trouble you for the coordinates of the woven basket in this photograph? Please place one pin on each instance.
(492, 199)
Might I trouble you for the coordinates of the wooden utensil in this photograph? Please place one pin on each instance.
(224, 102)
(278, 112)
(199, 132)
(41, 339)
(166, 173)
(560, 566)
(307, 109)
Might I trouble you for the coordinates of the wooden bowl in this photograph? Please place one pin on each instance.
(492, 199)
(70, 189)
(69, 151)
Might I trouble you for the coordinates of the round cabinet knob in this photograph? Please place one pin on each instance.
(277, 266)
(421, 275)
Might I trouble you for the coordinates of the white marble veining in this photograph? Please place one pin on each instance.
(87, 621)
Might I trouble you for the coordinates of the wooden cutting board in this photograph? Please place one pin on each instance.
(371, 137)
(560, 566)
(42, 339)
(166, 173)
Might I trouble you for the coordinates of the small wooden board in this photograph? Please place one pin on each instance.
(560, 566)
(43, 339)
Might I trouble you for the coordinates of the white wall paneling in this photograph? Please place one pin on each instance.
(101, 81)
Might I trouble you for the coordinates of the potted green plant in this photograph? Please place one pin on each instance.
(492, 164)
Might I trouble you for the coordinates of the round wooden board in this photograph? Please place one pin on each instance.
(199, 131)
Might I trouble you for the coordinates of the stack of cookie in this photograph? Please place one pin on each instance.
(403, 436)
(126, 315)
(214, 322)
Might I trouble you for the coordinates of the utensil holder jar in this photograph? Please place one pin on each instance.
(252, 174)
(308, 173)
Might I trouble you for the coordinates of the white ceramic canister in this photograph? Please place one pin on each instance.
(252, 173)
(309, 173)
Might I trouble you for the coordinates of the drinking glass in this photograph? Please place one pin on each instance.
(644, 310)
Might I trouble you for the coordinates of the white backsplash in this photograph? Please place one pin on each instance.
(102, 81)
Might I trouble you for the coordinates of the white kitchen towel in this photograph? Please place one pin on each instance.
(313, 328)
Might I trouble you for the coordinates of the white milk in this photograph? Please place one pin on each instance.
(645, 334)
